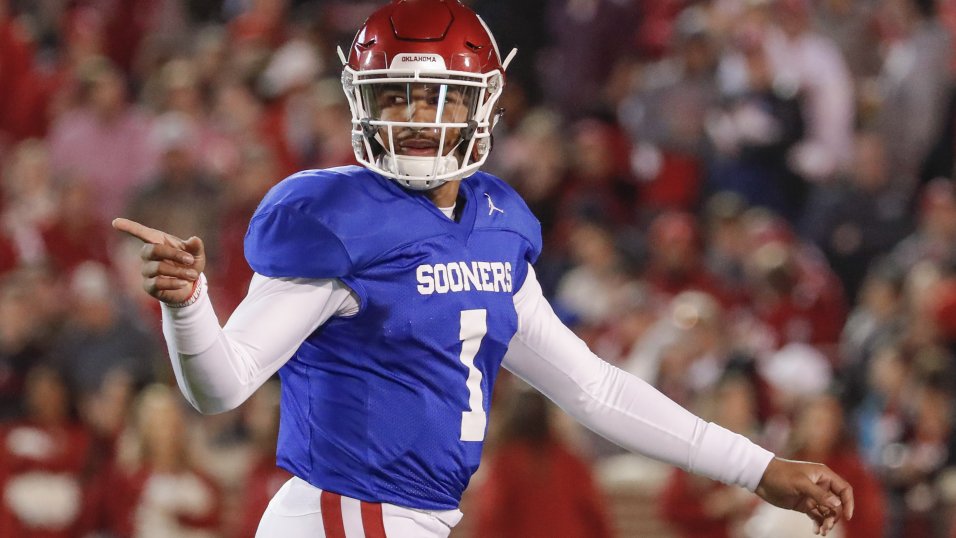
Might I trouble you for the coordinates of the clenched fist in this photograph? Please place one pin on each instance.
(171, 266)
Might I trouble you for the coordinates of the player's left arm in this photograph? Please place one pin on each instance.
(635, 415)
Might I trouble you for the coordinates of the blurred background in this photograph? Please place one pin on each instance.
(747, 203)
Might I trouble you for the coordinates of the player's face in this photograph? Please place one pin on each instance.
(421, 103)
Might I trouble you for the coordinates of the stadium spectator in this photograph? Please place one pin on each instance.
(793, 292)
(598, 185)
(44, 460)
(22, 332)
(910, 467)
(666, 112)
(587, 291)
(76, 233)
(880, 416)
(155, 490)
(98, 339)
(182, 196)
(879, 320)
(105, 142)
(686, 351)
(802, 57)
(934, 239)
(857, 218)
(532, 468)
(676, 261)
(755, 130)
(179, 87)
(256, 174)
(851, 27)
(585, 38)
(916, 88)
(28, 202)
(286, 83)
(821, 434)
(725, 241)
(697, 507)
(16, 67)
(329, 118)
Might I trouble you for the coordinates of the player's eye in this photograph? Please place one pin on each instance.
(449, 98)
(393, 99)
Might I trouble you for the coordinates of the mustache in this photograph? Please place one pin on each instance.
(425, 135)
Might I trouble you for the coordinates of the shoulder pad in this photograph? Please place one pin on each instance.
(297, 230)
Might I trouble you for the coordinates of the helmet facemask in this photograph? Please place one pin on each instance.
(422, 128)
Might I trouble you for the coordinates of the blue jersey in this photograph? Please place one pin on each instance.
(390, 405)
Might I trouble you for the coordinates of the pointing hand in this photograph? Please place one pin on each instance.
(171, 266)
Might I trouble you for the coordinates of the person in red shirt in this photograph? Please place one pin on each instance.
(676, 259)
(793, 291)
(16, 63)
(43, 460)
(154, 486)
(821, 434)
(255, 177)
(536, 486)
(263, 24)
(75, 235)
(697, 507)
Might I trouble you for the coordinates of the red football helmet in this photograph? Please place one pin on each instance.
(423, 78)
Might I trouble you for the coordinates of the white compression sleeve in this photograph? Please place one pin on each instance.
(619, 406)
(217, 368)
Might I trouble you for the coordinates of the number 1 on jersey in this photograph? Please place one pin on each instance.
(473, 329)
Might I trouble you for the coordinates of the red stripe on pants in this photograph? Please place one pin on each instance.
(372, 520)
(332, 515)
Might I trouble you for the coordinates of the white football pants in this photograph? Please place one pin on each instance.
(300, 510)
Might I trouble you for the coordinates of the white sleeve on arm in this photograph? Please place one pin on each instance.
(619, 406)
(217, 368)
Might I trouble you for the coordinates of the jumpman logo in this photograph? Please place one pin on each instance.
(491, 206)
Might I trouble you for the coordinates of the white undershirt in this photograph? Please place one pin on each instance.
(218, 368)
(449, 211)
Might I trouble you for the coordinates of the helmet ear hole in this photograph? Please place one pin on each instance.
(469, 132)
(367, 130)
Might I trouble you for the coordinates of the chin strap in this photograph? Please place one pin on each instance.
(407, 167)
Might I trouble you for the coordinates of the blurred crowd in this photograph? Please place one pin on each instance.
(747, 203)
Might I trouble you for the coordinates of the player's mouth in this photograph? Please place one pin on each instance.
(418, 147)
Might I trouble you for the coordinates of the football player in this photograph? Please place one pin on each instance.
(388, 296)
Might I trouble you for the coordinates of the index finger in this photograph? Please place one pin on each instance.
(141, 232)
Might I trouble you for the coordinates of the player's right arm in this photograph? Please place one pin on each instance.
(217, 368)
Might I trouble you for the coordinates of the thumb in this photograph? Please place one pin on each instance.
(194, 246)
